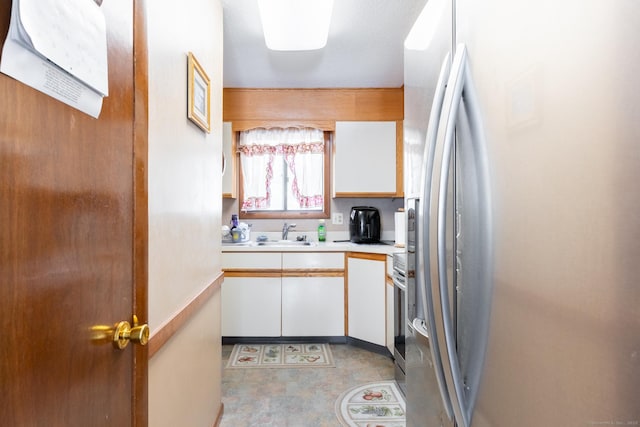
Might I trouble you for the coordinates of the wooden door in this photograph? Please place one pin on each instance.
(73, 243)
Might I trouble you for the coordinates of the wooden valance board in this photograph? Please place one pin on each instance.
(286, 105)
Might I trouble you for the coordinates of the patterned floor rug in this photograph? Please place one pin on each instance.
(281, 356)
(379, 404)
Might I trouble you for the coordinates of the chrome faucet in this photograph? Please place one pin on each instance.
(285, 230)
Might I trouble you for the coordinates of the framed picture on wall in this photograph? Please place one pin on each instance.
(199, 88)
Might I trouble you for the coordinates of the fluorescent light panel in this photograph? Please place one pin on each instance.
(295, 24)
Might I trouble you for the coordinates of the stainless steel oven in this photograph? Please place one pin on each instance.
(400, 317)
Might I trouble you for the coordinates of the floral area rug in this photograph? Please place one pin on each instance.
(378, 404)
(280, 356)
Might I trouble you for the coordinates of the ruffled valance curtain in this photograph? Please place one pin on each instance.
(300, 149)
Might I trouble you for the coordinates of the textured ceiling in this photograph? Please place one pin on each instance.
(364, 48)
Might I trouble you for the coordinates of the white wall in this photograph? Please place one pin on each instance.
(184, 212)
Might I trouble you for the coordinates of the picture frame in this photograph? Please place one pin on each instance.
(199, 90)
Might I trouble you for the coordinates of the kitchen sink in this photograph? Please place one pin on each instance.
(238, 243)
(285, 243)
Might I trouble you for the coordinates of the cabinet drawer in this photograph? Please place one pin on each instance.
(251, 260)
(317, 260)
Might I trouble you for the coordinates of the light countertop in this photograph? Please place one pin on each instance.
(328, 246)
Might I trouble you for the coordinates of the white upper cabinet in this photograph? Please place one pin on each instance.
(229, 162)
(367, 160)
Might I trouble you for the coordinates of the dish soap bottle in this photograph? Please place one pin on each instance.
(235, 231)
(322, 231)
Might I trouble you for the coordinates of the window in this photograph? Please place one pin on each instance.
(284, 173)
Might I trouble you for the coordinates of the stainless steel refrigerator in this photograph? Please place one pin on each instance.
(522, 158)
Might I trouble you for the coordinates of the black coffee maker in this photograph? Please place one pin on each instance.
(364, 224)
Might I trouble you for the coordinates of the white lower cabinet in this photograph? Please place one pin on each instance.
(312, 306)
(366, 294)
(303, 294)
(390, 305)
(390, 317)
(251, 307)
(312, 294)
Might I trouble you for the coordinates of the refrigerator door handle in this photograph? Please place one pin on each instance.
(438, 224)
(482, 267)
(463, 390)
(426, 298)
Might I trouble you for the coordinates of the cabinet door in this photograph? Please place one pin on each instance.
(390, 302)
(366, 292)
(390, 315)
(312, 306)
(251, 306)
(366, 160)
(229, 162)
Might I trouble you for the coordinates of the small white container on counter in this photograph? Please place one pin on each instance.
(400, 228)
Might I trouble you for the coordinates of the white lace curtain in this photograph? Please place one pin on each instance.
(303, 151)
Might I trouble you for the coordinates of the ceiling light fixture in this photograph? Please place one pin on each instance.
(295, 24)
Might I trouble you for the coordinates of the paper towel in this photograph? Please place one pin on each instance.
(400, 229)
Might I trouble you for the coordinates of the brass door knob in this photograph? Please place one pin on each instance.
(123, 333)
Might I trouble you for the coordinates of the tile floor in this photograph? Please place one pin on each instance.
(297, 397)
